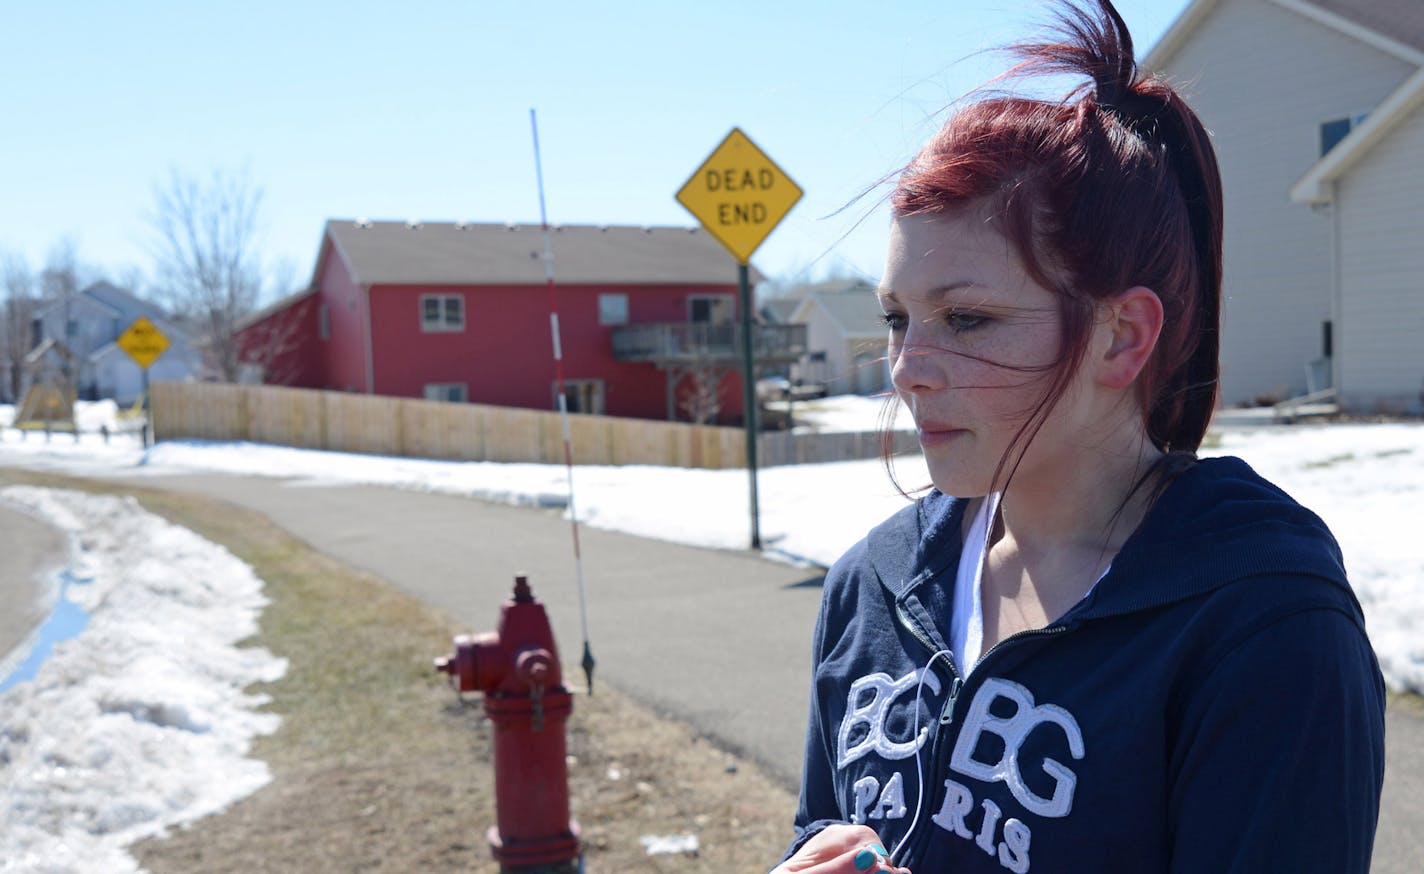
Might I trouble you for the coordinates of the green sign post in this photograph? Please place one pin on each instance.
(739, 195)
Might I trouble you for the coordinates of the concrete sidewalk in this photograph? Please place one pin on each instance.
(720, 640)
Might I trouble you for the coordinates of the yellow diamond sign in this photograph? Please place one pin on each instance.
(739, 195)
(143, 341)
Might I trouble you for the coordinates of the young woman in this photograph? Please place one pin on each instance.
(1101, 654)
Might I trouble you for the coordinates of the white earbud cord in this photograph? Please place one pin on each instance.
(919, 765)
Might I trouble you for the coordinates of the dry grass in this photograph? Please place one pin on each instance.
(379, 767)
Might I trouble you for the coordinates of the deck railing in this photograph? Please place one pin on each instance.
(702, 341)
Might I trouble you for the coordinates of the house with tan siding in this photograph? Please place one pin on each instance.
(1316, 108)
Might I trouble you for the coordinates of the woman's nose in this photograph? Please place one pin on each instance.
(917, 368)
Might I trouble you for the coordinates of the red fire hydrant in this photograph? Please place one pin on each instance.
(517, 669)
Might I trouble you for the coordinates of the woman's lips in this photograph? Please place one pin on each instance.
(936, 434)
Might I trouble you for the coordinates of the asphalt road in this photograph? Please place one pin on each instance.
(720, 640)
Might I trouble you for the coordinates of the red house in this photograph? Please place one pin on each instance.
(460, 312)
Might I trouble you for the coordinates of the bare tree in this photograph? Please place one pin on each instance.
(17, 282)
(208, 267)
(701, 401)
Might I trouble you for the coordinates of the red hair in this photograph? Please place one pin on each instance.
(1113, 187)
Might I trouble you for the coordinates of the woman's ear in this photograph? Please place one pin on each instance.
(1134, 320)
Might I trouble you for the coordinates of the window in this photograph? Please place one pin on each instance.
(713, 308)
(323, 322)
(453, 392)
(442, 312)
(71, 328)
(613, 309)
(582, 396)
(1335, 130)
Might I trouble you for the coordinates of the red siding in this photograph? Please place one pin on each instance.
(504, 355)
(345, 307)
(286, 343)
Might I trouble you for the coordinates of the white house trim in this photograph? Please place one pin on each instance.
(1197, 11)
(1358, 31)
(1178, 33)
(1316, 186)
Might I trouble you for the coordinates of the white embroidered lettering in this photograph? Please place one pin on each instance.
(865, 790)
(880, 692)
(1013, 852)
(1013, 731)
(992, 813)
(957, 802)
(892, 801)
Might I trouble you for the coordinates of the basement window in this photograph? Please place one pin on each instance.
(453, 392)
(442, 312)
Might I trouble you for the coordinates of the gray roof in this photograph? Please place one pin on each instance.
(116, 298)
(111, 298)
(448, 253)
(779, 309)
(1400, 20)
(838, 285)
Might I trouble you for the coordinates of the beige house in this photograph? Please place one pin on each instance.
(845, 329)
(1317, 111)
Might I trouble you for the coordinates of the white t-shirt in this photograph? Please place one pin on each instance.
(966, 628)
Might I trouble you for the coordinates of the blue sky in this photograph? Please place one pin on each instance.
(420, 110)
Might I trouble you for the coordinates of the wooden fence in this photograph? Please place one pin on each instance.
(379, 425)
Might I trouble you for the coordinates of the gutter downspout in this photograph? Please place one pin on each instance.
(370, 352)
(1336, 300)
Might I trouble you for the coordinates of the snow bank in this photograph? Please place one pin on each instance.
(139, 723)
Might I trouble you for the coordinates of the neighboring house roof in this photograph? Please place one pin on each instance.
(1399, 21)
(783, 307)
(106, 351)
(287, 302)
(40, 352)
(122, 301)
(109, 297)
(450, 253)
(1393, 26)
(1316, 185)
(856, 313)
(779, 310)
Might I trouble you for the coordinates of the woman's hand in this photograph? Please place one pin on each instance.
(840, 849)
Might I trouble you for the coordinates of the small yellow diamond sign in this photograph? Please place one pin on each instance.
(143, 341)
(739, 195)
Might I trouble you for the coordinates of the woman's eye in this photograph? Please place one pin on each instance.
(965, 321)
(894, 321)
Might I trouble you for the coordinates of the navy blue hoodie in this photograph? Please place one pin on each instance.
(1212, 706)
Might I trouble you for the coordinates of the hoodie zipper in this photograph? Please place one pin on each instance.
(918, 843)
(946, 718)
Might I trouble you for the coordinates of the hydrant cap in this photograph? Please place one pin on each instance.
(535, 666)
